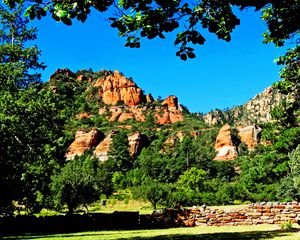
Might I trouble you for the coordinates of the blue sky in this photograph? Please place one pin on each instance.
(223, 74)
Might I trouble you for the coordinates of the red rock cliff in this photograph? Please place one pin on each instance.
(116, 88)
(224, 145)
(83, 141)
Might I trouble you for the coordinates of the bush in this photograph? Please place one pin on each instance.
(287, 226)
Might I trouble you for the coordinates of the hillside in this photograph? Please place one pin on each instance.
(91, 134)
(121, 104)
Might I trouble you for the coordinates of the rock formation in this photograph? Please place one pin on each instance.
(83, 142)
(171, 140)
(224, 145)
(249, 135)
(171, 102)
(149, 98)
(101, 151)
(117, 89)
(256, 110)
(136, 142)
(169, 112)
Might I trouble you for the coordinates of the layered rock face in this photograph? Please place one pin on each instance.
(170, 112)
(260, 106)
(258, 109)
(136, 142)
(224, 145)
(116, 88)
(87, 140)
(249, 135)
(123, 113)
(83, 142)
(101, 151)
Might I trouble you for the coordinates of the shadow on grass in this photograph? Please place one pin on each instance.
(253, 235)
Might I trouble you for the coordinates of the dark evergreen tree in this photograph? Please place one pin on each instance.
(119, 157)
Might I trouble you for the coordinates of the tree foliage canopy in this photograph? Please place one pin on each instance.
(154, 18)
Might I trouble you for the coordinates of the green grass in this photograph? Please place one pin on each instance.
(122, 205)
(197, 233)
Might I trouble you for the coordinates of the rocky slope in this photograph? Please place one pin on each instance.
(120, 101)
(246, 120)
(256, 110)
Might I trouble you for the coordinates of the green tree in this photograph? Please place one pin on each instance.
(151, 190)
(295, 169)
(77, 183)
(19, 64)
(119, 158)
(192, 178)
(28, 127)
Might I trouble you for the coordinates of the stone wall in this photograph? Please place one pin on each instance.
(262, 213)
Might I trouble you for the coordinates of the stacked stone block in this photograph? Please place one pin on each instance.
(261, 213)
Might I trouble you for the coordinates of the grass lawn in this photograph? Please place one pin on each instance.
(196, 233)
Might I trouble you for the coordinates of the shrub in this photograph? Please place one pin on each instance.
(287, 226)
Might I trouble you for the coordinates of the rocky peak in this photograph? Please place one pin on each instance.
(117, 89)
(256, 110)
(149, 98)
(171, 102)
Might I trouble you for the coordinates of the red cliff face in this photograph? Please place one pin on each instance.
(101, 151)
(224, 145)
(171, 103)
(116, 88)
(83, 141)
(136, 142)
(169, 112)
(249, 135)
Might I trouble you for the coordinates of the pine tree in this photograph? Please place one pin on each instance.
(19, 64)
(119, 157)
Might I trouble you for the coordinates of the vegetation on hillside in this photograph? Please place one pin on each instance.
(38, 122)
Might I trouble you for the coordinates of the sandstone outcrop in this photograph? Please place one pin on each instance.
(224, 145)
(165, 114)
(116, 89)
(84, 115)
(249, 135)
(173, 139)
(169, 112)
(83, 142)
(149, 98)
(260, 106)
(171, 102)
(136, 142)
(101, 151)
